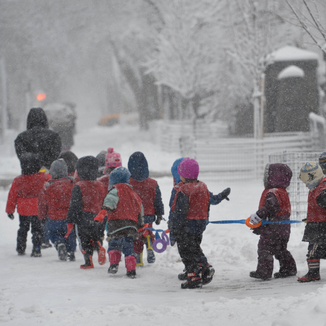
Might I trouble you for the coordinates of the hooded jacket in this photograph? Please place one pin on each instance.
(146, 188)
(87, 194)
(38, 138)
(55, 197)
(26, 188)
(275, 204)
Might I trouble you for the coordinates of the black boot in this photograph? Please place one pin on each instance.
(313, 273)
(62, 251)
(88, 262)
(36, 252)
(207, 274)
(182, 276)
(257, 275)
(193, 281)
(71, 256)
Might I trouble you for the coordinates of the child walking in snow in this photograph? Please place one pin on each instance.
(315, 231)
(86, 201)
(125, 215)
(112, 161)
(53, 204)
(187, 224)
(149, 192)
(274, 206)
(206, 269)
(23, 194)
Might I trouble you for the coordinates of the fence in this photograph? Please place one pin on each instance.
(297, 190)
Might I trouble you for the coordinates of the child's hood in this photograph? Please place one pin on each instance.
(87, 168)
(30, 163)
(174, 170)
(277, 175)
(138, 166)
(59, 169)
(119, 175)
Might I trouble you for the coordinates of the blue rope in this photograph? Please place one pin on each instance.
(263, 222)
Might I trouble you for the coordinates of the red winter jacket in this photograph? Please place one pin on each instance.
(315, 213)
(54, 199)
(146, 190)
(129, 204)
(24, 193)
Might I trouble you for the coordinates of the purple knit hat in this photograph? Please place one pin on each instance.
(188, 168)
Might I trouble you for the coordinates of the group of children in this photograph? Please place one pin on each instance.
(275, 207)
(83, 198)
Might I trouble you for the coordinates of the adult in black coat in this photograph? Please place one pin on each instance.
(38, 138)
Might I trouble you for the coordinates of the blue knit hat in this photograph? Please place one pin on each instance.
(174, 170)
(119, 175)
(311, 174)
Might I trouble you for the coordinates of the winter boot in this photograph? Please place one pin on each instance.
(46, 245)
(257, 275)
(62, 251)
(207, 274)
(88, 262)
(36, 251)
(313, 273)
(182, 276)
(130, 262)
(131, 274)
(71, 256)
(101, 253)
(114, 257)
(113, 269)
(150, 251)
(193, 281)
(284, 274)
(20, 252)
(139, 260)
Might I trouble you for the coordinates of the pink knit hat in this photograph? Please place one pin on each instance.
(188, 168)
(112, 159)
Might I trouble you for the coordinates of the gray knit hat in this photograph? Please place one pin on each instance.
(59, 169)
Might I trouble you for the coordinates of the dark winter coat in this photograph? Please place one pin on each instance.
(190, 210)
(277, 176)
(87, 196)
(38, 138)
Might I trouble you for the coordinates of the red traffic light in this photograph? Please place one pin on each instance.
(41, 96)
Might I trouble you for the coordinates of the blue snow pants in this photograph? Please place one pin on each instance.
(124, 245)
(57, 231)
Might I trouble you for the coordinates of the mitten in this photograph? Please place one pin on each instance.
(100, 216)
(70, 226)
(225, 193)
(254, 218)
(158, 220)
(11, 216)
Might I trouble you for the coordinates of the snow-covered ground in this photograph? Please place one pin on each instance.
(46, 291)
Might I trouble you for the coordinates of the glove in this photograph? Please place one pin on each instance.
(70, 226)
(100, 216)
(158, 220)
(11, 216)
(254, 218)
(225, 193)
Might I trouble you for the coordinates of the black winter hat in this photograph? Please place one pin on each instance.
(71, 160)
(87, 168)
(37, 118)
(30, 163)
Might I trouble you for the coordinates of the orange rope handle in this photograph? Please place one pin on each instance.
(252, 226)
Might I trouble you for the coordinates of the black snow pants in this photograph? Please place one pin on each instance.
(24, 225)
